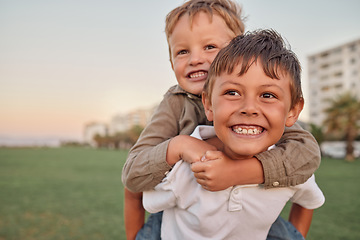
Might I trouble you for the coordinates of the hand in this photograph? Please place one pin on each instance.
(187, 148)
(215, 171)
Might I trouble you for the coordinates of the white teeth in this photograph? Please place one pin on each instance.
(197, 74)
(249, 131)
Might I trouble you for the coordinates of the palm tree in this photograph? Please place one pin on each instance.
(317, 132)
(343, 116)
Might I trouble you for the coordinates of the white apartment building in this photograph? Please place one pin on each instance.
(332, 72)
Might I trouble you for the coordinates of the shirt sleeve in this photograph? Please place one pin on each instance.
(176, 189)
(159, 199)
(293, 161)
(146, 164)
(309, 194)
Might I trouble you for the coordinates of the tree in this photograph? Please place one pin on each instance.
(318, 133)
(343, 116)
(134, 133)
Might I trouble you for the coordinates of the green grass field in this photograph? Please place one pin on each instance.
(76, 193)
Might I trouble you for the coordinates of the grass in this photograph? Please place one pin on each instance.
(339, 217)
(75, 193)
(61, 194)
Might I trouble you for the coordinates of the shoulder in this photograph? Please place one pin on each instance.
(308, 194)
(174, 91)
(180, 100)
(174, 96)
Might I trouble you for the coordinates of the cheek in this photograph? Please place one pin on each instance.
(278, 114)
(223, 109)
(212, 56)
(177, 64)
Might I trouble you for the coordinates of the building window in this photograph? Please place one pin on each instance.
(352, 47)
(338, 74)
(337, 86)
(325, 88)
(325, 65)
(324, 55)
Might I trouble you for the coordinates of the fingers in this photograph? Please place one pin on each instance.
(203, 183)
(208, 184)
(210, 155)
(198, 167)
(202, 177)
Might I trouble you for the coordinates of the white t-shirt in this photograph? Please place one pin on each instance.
(239, 212)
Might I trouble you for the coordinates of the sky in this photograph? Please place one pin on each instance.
(66, 63)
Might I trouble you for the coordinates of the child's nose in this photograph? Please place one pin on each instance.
(249, 108)
(196, 58)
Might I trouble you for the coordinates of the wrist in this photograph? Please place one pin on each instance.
(174, 150)
(251, 172)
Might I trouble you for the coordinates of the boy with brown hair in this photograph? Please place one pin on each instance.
(253, 91)
(196, 31)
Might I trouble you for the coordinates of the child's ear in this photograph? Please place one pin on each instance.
(294, 113)
(207, 107)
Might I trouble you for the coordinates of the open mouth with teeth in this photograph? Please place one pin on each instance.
(199, 74)
(248, 130)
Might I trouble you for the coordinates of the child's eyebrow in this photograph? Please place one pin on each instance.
(230, 82)
(271, 86)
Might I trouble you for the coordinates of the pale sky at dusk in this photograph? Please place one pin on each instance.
(67, 63)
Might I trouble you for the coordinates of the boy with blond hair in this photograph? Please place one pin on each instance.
(253, 91)
(196, 31)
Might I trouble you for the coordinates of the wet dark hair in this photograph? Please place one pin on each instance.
(266, 47)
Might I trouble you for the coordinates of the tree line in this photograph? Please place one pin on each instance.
(120, 140)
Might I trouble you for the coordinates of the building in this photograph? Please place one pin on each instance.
(332, 72)
(92, 129)
(123, 122)
(118, 123)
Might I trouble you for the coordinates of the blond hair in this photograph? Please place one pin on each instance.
(226, 9)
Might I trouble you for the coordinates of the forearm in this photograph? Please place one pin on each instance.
(134, 213)
(295, 158)
(301, 218)
(146, 164)
(247, 172)
(145, 167)
(174, 152)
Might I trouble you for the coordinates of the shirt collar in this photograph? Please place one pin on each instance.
(178, 90)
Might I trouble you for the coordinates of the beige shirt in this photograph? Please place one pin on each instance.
(292, 162)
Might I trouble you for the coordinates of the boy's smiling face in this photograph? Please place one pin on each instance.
(194, 47)
(250, 111)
